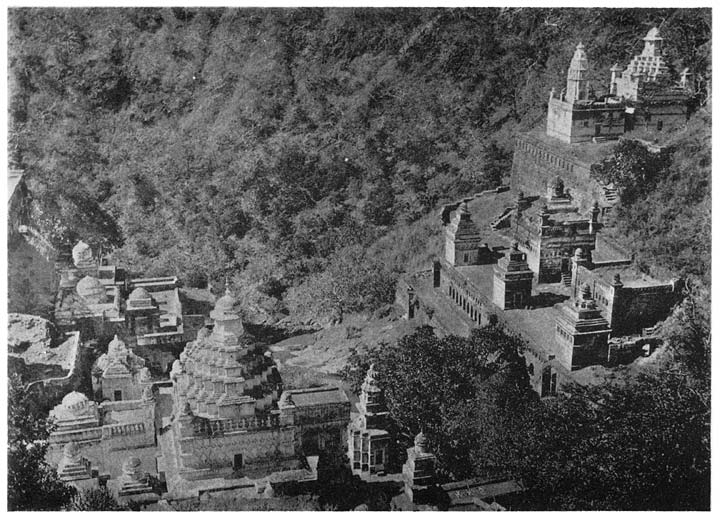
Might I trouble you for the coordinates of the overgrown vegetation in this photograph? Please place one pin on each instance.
(270, 146)
(33, 485)
(300, 153)
(642, 445)
(663, 215)
(458, 391)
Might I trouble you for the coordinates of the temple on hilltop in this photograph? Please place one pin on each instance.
(540, 266)
(581, 128)
(534, 258)
(641, 95)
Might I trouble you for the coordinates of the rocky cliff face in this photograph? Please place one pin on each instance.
(29, 331)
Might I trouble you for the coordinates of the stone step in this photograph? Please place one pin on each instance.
(566, 278)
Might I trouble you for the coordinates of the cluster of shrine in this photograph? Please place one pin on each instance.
(641, 95)
(533, 256)
(190, 405)
(215, 419)
(221, 421)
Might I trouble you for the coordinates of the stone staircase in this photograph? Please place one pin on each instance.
(503, 219)
(611, 194)
(566, 278)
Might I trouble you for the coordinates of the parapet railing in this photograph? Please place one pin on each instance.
(114, 430)
(461, 281)
(81, 435)
(221, 427)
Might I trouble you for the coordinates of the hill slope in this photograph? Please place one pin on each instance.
(278, 146)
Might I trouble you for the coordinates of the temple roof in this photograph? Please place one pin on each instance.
(81, 252)
(139, 293)
(119, 360)
(91, 289)
(653, 35)
(421, 442)
(579, 59)
(318, 396)
(225, 308)
(629, 275)
(75, 401)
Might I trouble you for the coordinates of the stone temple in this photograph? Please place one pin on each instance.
(533, 256)
(640, 98)
(101, 301)
(222, 422)
(641, 95)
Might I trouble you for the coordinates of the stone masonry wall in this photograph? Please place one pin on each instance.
(534, 165)
(637, 308)
(218, 453)
(628, 309)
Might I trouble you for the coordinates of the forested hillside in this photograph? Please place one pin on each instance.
(299, 152)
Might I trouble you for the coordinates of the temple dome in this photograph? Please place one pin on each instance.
(225, 308)
(91, 289)
(370, 383)
(579, 60)
(132, 468)
(75, 402)
(116, 346)
(81, 253)
(139, 293)
(420, 443)
(225, 303)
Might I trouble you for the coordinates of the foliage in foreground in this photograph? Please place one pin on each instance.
(33, 485)
(96, 499)
(641, 445)
(456, 390)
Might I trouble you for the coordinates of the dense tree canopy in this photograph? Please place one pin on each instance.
(201, 142)
(642, 446)
(458, 391)
(663, 215)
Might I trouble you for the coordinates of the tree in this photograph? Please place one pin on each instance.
(687, 332)
(642, 446)
(634, 169)
(95, 499)
(456, 390)
(33, 485)
(352, 282)
(380, 204)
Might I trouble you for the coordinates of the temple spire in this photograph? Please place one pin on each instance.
(577, 82)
